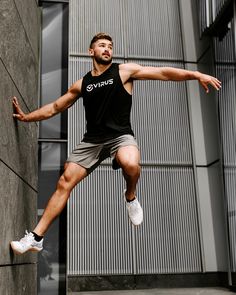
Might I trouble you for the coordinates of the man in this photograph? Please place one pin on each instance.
(107, 99)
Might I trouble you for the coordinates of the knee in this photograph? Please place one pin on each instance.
(132, 168)
(63, 184)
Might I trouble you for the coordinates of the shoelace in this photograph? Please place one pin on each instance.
(28, 236)
(134, 206)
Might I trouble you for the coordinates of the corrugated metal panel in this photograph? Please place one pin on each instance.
(87, 17)
(203, 14)
(161, 121)
(227, 108)
(157, 31)
(227, 115)
(101, 237)
(150, 36)
(168, 241)
(99, 232)
(208, 11)
(224, 52)
(230, 187)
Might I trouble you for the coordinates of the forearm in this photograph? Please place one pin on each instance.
(176, 74)
(43, 113)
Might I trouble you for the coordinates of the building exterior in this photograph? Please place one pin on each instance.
(19, 72)
(182, 187)
(186, 137)
(218, 21)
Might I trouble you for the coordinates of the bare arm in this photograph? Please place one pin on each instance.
(49, 110)
(138, 72)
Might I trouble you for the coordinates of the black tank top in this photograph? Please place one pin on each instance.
(107, 106)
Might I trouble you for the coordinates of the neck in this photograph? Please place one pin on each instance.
(98, 69)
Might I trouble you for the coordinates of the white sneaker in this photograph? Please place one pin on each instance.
(27, 243)
(135, 211)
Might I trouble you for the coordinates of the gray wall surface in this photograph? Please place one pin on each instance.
(19, 69)
(176, 127)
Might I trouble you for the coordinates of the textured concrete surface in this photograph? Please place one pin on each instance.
(18, 144)
(19, 68)
(16, 52)
(29, 15)
(18, 203)
(188, 291)
(18, 280)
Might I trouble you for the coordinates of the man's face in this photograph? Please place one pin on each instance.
(102, 51)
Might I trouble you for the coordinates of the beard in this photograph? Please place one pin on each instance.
(102, 60)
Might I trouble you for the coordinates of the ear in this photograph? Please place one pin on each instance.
(91, 52)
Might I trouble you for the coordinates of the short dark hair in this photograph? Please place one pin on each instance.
(99, 36)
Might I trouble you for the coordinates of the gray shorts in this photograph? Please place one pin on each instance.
(90, 155)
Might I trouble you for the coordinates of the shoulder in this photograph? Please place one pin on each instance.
(128, 70)
(131, 67)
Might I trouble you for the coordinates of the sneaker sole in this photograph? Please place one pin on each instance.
(33, 249)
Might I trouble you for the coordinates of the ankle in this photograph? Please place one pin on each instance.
(37, 237)
(130, 197)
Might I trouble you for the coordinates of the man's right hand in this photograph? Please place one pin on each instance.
(18, 113)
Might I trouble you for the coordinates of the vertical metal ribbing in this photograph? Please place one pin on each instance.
(230, 187)
(102, 228)
(227, 107)
(208, 11)
(167, 242)
(223, 47)
(159, 36)
(100, 237)
(89, 17)
(160, 120)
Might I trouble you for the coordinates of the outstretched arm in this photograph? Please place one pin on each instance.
(49, 110)
(138, 72)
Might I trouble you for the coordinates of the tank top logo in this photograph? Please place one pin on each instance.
(90, 87)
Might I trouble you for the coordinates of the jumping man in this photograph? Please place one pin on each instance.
(107, 99)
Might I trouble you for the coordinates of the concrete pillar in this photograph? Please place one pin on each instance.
(19, 68)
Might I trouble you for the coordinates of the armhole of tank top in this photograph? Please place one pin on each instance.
(122, 82)
(83, 84)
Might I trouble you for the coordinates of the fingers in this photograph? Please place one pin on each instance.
(215, 83)
(206, 88)
(15, 102)
(14, 99)
(18, 112)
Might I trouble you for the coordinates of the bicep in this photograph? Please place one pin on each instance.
(148, 73)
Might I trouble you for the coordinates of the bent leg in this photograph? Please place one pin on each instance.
(72, 175)
(128, 157)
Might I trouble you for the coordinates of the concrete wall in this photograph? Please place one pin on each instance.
(19, 75)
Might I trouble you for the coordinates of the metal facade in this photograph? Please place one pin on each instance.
(227, 107)
(100, 237)
(209, 11)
